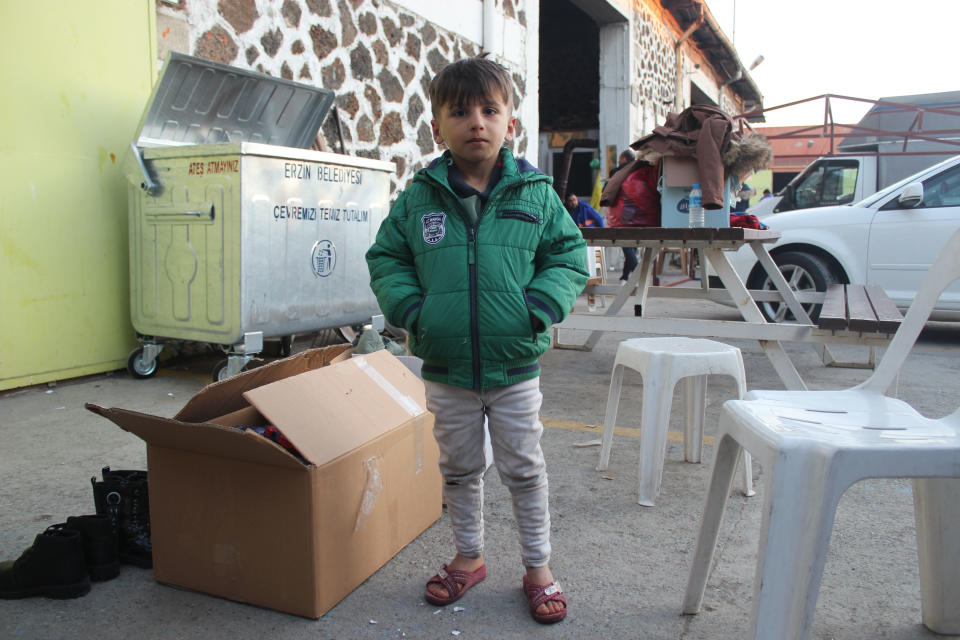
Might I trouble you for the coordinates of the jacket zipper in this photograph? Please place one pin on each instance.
(473, 249)
(472, 278)
(474, 313)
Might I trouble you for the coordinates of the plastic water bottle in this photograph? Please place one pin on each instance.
(697, 218)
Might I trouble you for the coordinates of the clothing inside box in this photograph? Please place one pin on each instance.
(249, 419)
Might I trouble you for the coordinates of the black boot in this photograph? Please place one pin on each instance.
(100, 547)
(122, 496)
(52, 567)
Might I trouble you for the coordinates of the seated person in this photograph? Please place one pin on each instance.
(582, 213)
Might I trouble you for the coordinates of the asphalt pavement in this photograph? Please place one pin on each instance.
(622, 566)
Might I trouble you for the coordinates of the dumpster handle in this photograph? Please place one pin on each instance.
(208, 213)
(149, 185)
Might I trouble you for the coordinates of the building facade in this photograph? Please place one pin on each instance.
(601, 70)
(634, 58)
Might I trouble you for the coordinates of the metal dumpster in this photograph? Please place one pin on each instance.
(238, 231)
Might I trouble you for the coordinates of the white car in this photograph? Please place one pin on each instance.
(764, 207)
(888, 239)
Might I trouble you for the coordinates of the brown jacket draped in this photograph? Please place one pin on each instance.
(701, 131)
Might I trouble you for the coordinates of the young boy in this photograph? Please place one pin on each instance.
(476, 260)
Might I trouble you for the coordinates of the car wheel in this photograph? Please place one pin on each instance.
(803, 272)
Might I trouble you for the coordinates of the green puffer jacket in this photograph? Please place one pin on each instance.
(477, 300)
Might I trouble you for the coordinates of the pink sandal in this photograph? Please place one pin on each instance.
(537, 594)
(455, 582)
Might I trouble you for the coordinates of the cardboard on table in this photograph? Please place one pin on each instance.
(679, 174)
(236, 515)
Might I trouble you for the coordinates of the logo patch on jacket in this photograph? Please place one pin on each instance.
(434, 227)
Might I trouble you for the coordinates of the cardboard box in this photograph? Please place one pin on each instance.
(678, 176)
(235, 515)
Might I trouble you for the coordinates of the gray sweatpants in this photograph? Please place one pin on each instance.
(513, 414)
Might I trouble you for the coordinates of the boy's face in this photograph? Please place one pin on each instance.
(474, 133)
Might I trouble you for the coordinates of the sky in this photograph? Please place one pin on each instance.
(859, 48)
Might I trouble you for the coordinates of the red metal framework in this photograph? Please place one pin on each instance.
(915, 114)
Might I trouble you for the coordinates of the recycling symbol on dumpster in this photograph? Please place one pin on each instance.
(323, 258)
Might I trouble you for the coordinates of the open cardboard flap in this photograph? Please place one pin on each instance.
(331, 411)
(224, 397)
(325, 412)
(219, 407)
(212, 439)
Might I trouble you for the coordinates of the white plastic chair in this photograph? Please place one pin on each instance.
(595, 266)
(662, 362)
(813, 445)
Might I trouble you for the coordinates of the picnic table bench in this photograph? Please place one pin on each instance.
(861, 308)
(852, 330)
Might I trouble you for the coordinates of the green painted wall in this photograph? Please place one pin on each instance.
(75, 79)
(760, 181)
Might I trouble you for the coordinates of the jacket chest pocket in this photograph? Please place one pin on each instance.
(525, 214)
(521, 223)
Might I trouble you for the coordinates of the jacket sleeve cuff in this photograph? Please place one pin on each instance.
(542, 311)
(411, 311)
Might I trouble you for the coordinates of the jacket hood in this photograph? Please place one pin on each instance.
(512, 167)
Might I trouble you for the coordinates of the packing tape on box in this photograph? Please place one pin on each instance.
(418, 447)
(371, 491)
(409, 404)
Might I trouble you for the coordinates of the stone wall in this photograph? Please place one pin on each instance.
(654, 67)
(377, 56)
(654, 62)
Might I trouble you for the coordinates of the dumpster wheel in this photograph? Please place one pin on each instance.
(138, 368)
(286, 346)
(220, 369)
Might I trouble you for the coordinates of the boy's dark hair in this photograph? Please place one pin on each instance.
(470, 81)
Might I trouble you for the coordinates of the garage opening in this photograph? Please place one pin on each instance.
(569, 90)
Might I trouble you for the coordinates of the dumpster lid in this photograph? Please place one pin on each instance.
(198, 101)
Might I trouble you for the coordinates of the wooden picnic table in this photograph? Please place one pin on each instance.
(712, 245)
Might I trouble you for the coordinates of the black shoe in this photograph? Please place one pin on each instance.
(52, 567)
(122, 496)
(100, 548)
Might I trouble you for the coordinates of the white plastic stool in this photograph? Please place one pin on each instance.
(662, 362)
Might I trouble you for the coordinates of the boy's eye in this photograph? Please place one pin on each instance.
(457, 112)
(490, 111)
